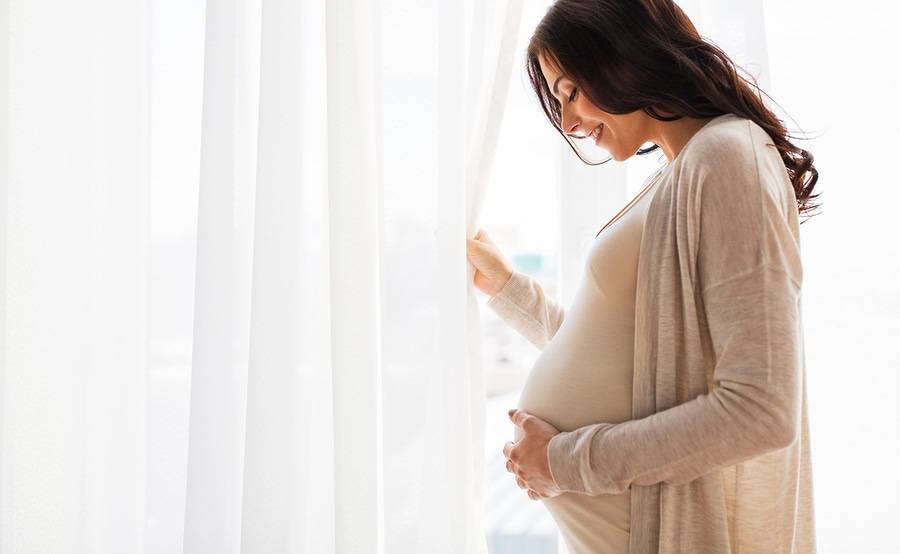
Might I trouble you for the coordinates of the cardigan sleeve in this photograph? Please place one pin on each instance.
(749, 274)
(525, 307)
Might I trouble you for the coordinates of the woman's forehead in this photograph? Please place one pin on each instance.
(550, 69)
(552, 75)
(548, 65)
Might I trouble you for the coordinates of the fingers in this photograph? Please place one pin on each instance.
(522, 418)
(474, 247)
(485, 237)
(507, 449)
(481, 235)
(532, 494)
(510, 465)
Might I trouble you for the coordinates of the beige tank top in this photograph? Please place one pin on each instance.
(584, 374)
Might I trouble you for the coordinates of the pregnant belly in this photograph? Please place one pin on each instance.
(577, 381)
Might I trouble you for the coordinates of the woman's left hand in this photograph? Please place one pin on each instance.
(528, 458)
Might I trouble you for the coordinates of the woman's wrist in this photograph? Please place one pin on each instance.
(505, 282)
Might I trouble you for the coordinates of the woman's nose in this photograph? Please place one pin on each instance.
(573, 127)
(570, 126)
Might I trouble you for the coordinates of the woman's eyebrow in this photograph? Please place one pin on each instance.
(555, 83)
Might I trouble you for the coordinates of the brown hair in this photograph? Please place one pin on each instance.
(628, 55)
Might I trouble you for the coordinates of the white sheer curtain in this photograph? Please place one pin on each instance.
(333, 306)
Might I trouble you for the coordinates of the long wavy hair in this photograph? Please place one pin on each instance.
(628, 55)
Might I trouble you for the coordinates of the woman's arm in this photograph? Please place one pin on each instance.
(525, 307)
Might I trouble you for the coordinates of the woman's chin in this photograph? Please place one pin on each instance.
(613, 152)
(619, 155)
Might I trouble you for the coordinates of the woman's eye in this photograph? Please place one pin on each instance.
(572, 96)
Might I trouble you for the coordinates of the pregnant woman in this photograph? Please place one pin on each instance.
(667, 409)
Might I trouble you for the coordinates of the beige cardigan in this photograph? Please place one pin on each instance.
(717, 452)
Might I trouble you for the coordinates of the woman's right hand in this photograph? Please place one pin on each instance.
(492, 269)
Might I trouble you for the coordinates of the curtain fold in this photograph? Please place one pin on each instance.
(222, 293)
(355, 269)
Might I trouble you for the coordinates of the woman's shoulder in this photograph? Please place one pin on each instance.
(730, 144)
(733, 159)
(728, 139)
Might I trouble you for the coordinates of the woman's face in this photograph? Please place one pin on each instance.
(622, 135)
